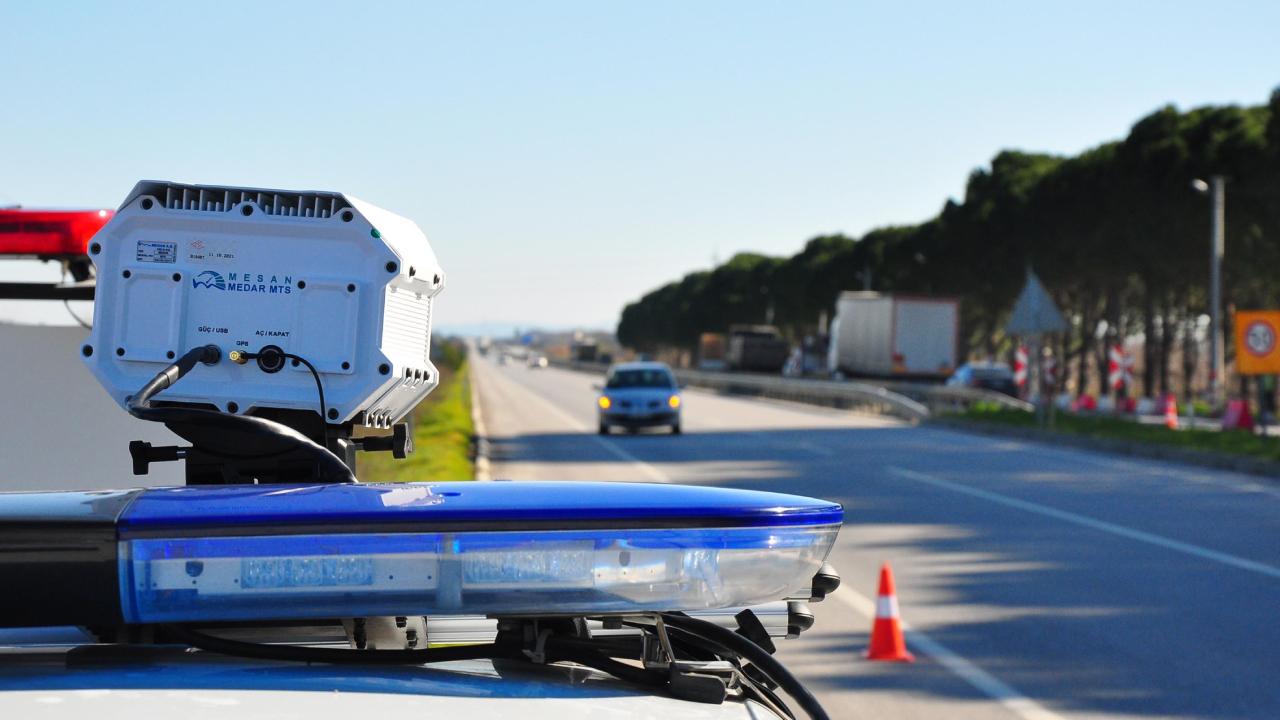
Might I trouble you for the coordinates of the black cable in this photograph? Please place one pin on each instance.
(324, 417)
(687, 646)
(557, 652)
(331, 467)
(335, 656)
(165, 379)
(557, 648)
(763, 695)
(753, 653)
(597, 660)
(315, 375)
(67, 303)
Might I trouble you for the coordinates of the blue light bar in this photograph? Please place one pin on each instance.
(241, 553)
(523, 504)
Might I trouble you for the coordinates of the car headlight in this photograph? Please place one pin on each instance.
(604, 402)
(674, 401)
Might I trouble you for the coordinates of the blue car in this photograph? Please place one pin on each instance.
(639, 394)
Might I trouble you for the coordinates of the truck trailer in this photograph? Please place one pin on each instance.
(880, 335)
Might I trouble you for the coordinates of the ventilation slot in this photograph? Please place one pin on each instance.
(203, 198)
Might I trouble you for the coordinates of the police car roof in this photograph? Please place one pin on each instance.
(169, 681)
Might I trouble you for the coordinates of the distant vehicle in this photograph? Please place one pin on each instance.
(712, 348)
(584, 351)
(537, 362)
(985, 376)
(808, 359)
(759, 348)
(887, 335)
(639, 394)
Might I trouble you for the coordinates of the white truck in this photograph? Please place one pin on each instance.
(875, 334)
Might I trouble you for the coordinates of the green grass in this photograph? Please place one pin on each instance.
(1233, 442)
(441, 437)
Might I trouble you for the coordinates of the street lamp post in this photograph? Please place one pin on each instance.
(1216, 189)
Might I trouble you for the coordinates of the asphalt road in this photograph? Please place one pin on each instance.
(1039, 582)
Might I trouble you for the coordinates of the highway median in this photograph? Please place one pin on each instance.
(442, 430)
(1235, 450)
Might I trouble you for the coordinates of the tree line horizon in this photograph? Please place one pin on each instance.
(1116, 233)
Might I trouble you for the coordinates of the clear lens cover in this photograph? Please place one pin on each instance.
(467, 573)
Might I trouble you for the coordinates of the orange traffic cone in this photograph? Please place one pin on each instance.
(1170, 412)
(886, 632)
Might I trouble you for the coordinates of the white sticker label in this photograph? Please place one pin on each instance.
(157, 252)
(211, 251)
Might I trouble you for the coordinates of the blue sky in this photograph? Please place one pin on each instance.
(564, 158)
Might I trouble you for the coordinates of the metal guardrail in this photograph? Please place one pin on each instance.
(944, 398)
(911, 401)
(849, 395)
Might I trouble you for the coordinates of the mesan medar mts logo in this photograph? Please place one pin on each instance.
(244, 282)
(209, 279)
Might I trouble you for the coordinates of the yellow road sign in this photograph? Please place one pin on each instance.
(1257, 349)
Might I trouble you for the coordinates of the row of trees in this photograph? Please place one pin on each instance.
(1116, 233)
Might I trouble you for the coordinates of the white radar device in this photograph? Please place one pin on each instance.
(311, 297)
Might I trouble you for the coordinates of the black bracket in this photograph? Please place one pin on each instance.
(399, 442)
(750, 627)
(144, 453)
(44, 291)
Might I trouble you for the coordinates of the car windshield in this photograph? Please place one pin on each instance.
(647, 378)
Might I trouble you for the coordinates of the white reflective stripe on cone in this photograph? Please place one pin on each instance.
(887, 606)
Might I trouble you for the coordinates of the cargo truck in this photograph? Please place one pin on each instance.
(586, 351)
(711, 351)
(881, 335)
(759, 348)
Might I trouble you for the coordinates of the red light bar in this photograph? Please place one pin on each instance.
(49, 233)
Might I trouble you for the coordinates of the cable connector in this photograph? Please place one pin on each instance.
(207, 354)
(270, 359)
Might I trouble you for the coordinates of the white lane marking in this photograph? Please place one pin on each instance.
(1153, 468)
(1086, 521)
(648, 470)
(986, 683)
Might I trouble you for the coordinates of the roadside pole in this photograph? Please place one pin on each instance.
(1217, 185)
(1216, 189)
(1035, 383)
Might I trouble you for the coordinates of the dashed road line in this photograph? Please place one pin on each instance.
(649, 471)
(1093, 523)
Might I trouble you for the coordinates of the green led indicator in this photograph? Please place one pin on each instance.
(374, 232)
